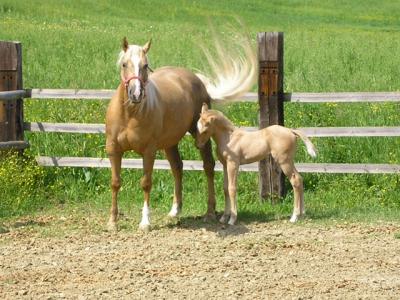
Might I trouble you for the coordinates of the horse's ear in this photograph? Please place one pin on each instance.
(146, 47)
(204, 108)
(125, 44)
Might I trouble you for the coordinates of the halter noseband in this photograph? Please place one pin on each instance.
(127, 80)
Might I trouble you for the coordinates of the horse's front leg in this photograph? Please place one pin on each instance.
(145, 183)
(115, 160)
(232, 171)
(227, 210)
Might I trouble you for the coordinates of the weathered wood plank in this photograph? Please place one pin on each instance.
(336, 97)
(64, 127)
(351, 131)
(344, 97)
(310, 131)
(71, 94)
(270, 100)
(18, 145)
(14, 95)
(193, 165)
(11, 111)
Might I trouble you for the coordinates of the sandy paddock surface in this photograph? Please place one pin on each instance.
(196, 260)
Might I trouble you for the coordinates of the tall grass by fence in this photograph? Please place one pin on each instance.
(12, 125)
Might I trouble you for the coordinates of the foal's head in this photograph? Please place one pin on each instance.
(205, 126)
(133, 65)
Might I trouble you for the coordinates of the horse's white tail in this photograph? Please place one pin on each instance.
(309, 145)
(235, 73)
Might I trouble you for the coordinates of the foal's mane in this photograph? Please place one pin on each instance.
(222, 120)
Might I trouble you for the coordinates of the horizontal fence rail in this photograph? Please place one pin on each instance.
(338, 97)
(18, 145)
(310, 131)
(193, 165)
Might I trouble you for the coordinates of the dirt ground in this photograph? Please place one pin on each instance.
(195, 260)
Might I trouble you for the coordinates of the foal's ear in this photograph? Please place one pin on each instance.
(146, 47)
(204, 108)
(125, 44)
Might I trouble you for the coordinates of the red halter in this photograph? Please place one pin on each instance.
(127, 80)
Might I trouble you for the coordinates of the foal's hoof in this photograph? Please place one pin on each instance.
(144, 227)
(223, 219)
(294, 218)
(112, 227)
(232, 221)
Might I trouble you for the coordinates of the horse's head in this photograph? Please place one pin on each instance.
(133, 65)
(205, 126)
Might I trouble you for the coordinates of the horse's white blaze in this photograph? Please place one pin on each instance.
(174, 210)
(135, 61)
(145, 216)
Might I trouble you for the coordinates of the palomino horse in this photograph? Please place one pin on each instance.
(152, 111)
(236, 147)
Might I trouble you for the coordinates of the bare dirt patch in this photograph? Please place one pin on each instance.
(203, 261)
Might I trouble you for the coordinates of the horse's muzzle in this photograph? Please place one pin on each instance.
(133, 98)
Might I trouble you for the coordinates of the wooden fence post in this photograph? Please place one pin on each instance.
(11, 112)
(270, 99)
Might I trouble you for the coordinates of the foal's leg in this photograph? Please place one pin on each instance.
(232, 170)
(145, 183)
(227, 210)
(176, 166)
(115, 160)
(209, 165)
(297, 183)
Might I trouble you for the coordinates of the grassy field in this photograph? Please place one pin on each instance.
(329, 46)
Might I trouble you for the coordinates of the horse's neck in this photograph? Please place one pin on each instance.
(133, 111)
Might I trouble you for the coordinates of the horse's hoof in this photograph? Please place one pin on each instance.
(175, 211)
(112, 227)
(210, 217)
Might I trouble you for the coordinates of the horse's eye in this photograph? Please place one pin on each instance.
(124, 65)
(145, 66)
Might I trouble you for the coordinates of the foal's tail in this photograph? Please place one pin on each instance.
(234, 73)
(310, 146)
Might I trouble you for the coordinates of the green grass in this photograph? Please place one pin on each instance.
(329, 46)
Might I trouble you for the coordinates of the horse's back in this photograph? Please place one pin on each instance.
(182, 93)
(177, 84)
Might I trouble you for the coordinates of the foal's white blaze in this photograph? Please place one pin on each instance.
(199, 126)
(145, 223)
(174, 210)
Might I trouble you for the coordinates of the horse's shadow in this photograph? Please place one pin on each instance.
(222, 230)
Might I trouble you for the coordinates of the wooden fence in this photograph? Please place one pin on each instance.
(270, 97)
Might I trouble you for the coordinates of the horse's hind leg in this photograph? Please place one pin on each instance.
(176, 166)
(209, 165)
(227, 210)
(297, 183)
(115, 160)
